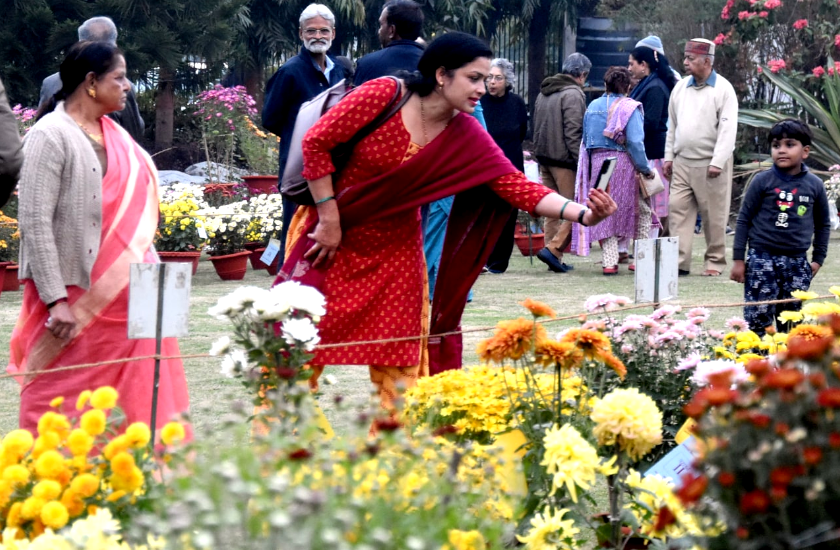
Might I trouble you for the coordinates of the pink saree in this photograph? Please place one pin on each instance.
(129, 220)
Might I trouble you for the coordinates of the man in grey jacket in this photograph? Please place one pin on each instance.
(558, 128)
(101, 29)
(11, 155)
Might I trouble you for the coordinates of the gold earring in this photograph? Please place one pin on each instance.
(92, 92)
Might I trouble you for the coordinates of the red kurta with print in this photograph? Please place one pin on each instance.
(375, 288)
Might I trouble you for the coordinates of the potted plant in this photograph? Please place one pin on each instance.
(181, 233)
(9, 250)
(529, 236)
(220, 112)
(266, 222)
(260, 152)
(226, 239)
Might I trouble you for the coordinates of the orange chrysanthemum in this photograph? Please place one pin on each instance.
(552, 352)
(538, 309)
(615, 364)
(512, 340)
(593, 344)
(809, 342)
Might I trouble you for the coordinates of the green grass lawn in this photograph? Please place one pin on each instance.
(496, 298)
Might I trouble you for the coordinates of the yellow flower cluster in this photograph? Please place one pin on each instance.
(746, 345)
(98, 531)
(572, 460)
(629, 419)
(549, 531)
(46, 482)
(649, 495)
(180, 225)
(465, 540)
(477, 400)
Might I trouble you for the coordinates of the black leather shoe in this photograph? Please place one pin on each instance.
(682, 272)
(552, 262)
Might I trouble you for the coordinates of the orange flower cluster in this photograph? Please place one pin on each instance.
(809, 342)
(595, 346)
(538, 309)
(511, 340)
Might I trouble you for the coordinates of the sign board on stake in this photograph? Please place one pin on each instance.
(657, 262)
(144, 281)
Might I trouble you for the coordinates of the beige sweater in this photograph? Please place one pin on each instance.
(60, 206)
(702, 123)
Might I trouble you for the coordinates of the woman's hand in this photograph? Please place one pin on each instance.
(600, 205)
(647, 175)
(327, 237)
(62, 322)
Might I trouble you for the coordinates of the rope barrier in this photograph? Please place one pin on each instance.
(410, 338)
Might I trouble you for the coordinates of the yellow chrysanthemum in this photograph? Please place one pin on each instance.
(115, 446)
(31, 508)
(53, 422)
(172, 433)
(17, 443)
(14, 516)
(57, 402)
(79, 442)
(50, 465)
(549, 531)
(122, 464)
(812, 311)
(130, 482)
(804, 294)
(466, 540)
(47, 489)
(94, 422)
(138, 435)
(104, 398)
(16, 474)
(629, 419)
(54, 515)
(85, 485)
(570, 459)
(791, 316)
(835, 290)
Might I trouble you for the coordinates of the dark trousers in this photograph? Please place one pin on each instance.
(500, 257)
(770, 277)
(289, 208)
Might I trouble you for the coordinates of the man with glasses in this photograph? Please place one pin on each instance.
(296, 82)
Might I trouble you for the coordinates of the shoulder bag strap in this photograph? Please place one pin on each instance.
(390, 110)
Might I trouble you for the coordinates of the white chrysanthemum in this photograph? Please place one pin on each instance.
(234, 363)
(301, 331)
(220, 346)
(244, 297)
(301, 297)
(223, 309)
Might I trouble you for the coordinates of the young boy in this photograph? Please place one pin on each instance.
(784, 209)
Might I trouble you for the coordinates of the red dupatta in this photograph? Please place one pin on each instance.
(443, 168)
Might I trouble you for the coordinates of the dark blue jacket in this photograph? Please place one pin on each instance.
(781, 215)
(399, 55)
(653, 94)
(295, 83)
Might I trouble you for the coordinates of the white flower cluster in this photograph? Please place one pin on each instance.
(227, 218)
(182, 191)
(267, 212)
(296, 307)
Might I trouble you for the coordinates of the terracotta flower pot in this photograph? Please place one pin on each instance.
(274, 267)
(537, 243)
(181, 257)
(11, 283)
(3, 274)
(231, 267)
(261, 184)
(255, 258)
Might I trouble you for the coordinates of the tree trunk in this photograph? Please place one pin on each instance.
(254, 82)
(164, 109)
(537, 33)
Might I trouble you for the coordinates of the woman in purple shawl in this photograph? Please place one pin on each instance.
(613, 126)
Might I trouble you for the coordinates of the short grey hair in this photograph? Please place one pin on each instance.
(98, 29)
(507, 70)
(576, 65)
(317, 10)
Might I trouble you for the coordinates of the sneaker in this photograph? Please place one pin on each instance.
(729, 231)
(555, 265)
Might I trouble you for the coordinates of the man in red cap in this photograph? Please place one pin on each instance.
(703, 119)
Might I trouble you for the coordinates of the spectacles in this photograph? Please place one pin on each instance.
(497, 78)
(316, 32)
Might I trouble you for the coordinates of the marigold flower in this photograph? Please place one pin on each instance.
(93, 422)
(172, 433)
(629, 419)
(466, 540)
(122, 464)
(79, 442)
(53, 422)
(549, 531)
(104, 398)
(56, 402)
(138, 435)
(115, 446)
(128, 483)
(16, 474)
(538, 309)
(82, 400)
(85, 485)
(754, 502)
(54, 515)
(47, 489)
(31, 508)
(17, 443)
(50, 465)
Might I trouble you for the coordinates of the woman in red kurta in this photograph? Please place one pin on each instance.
(364, 249)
